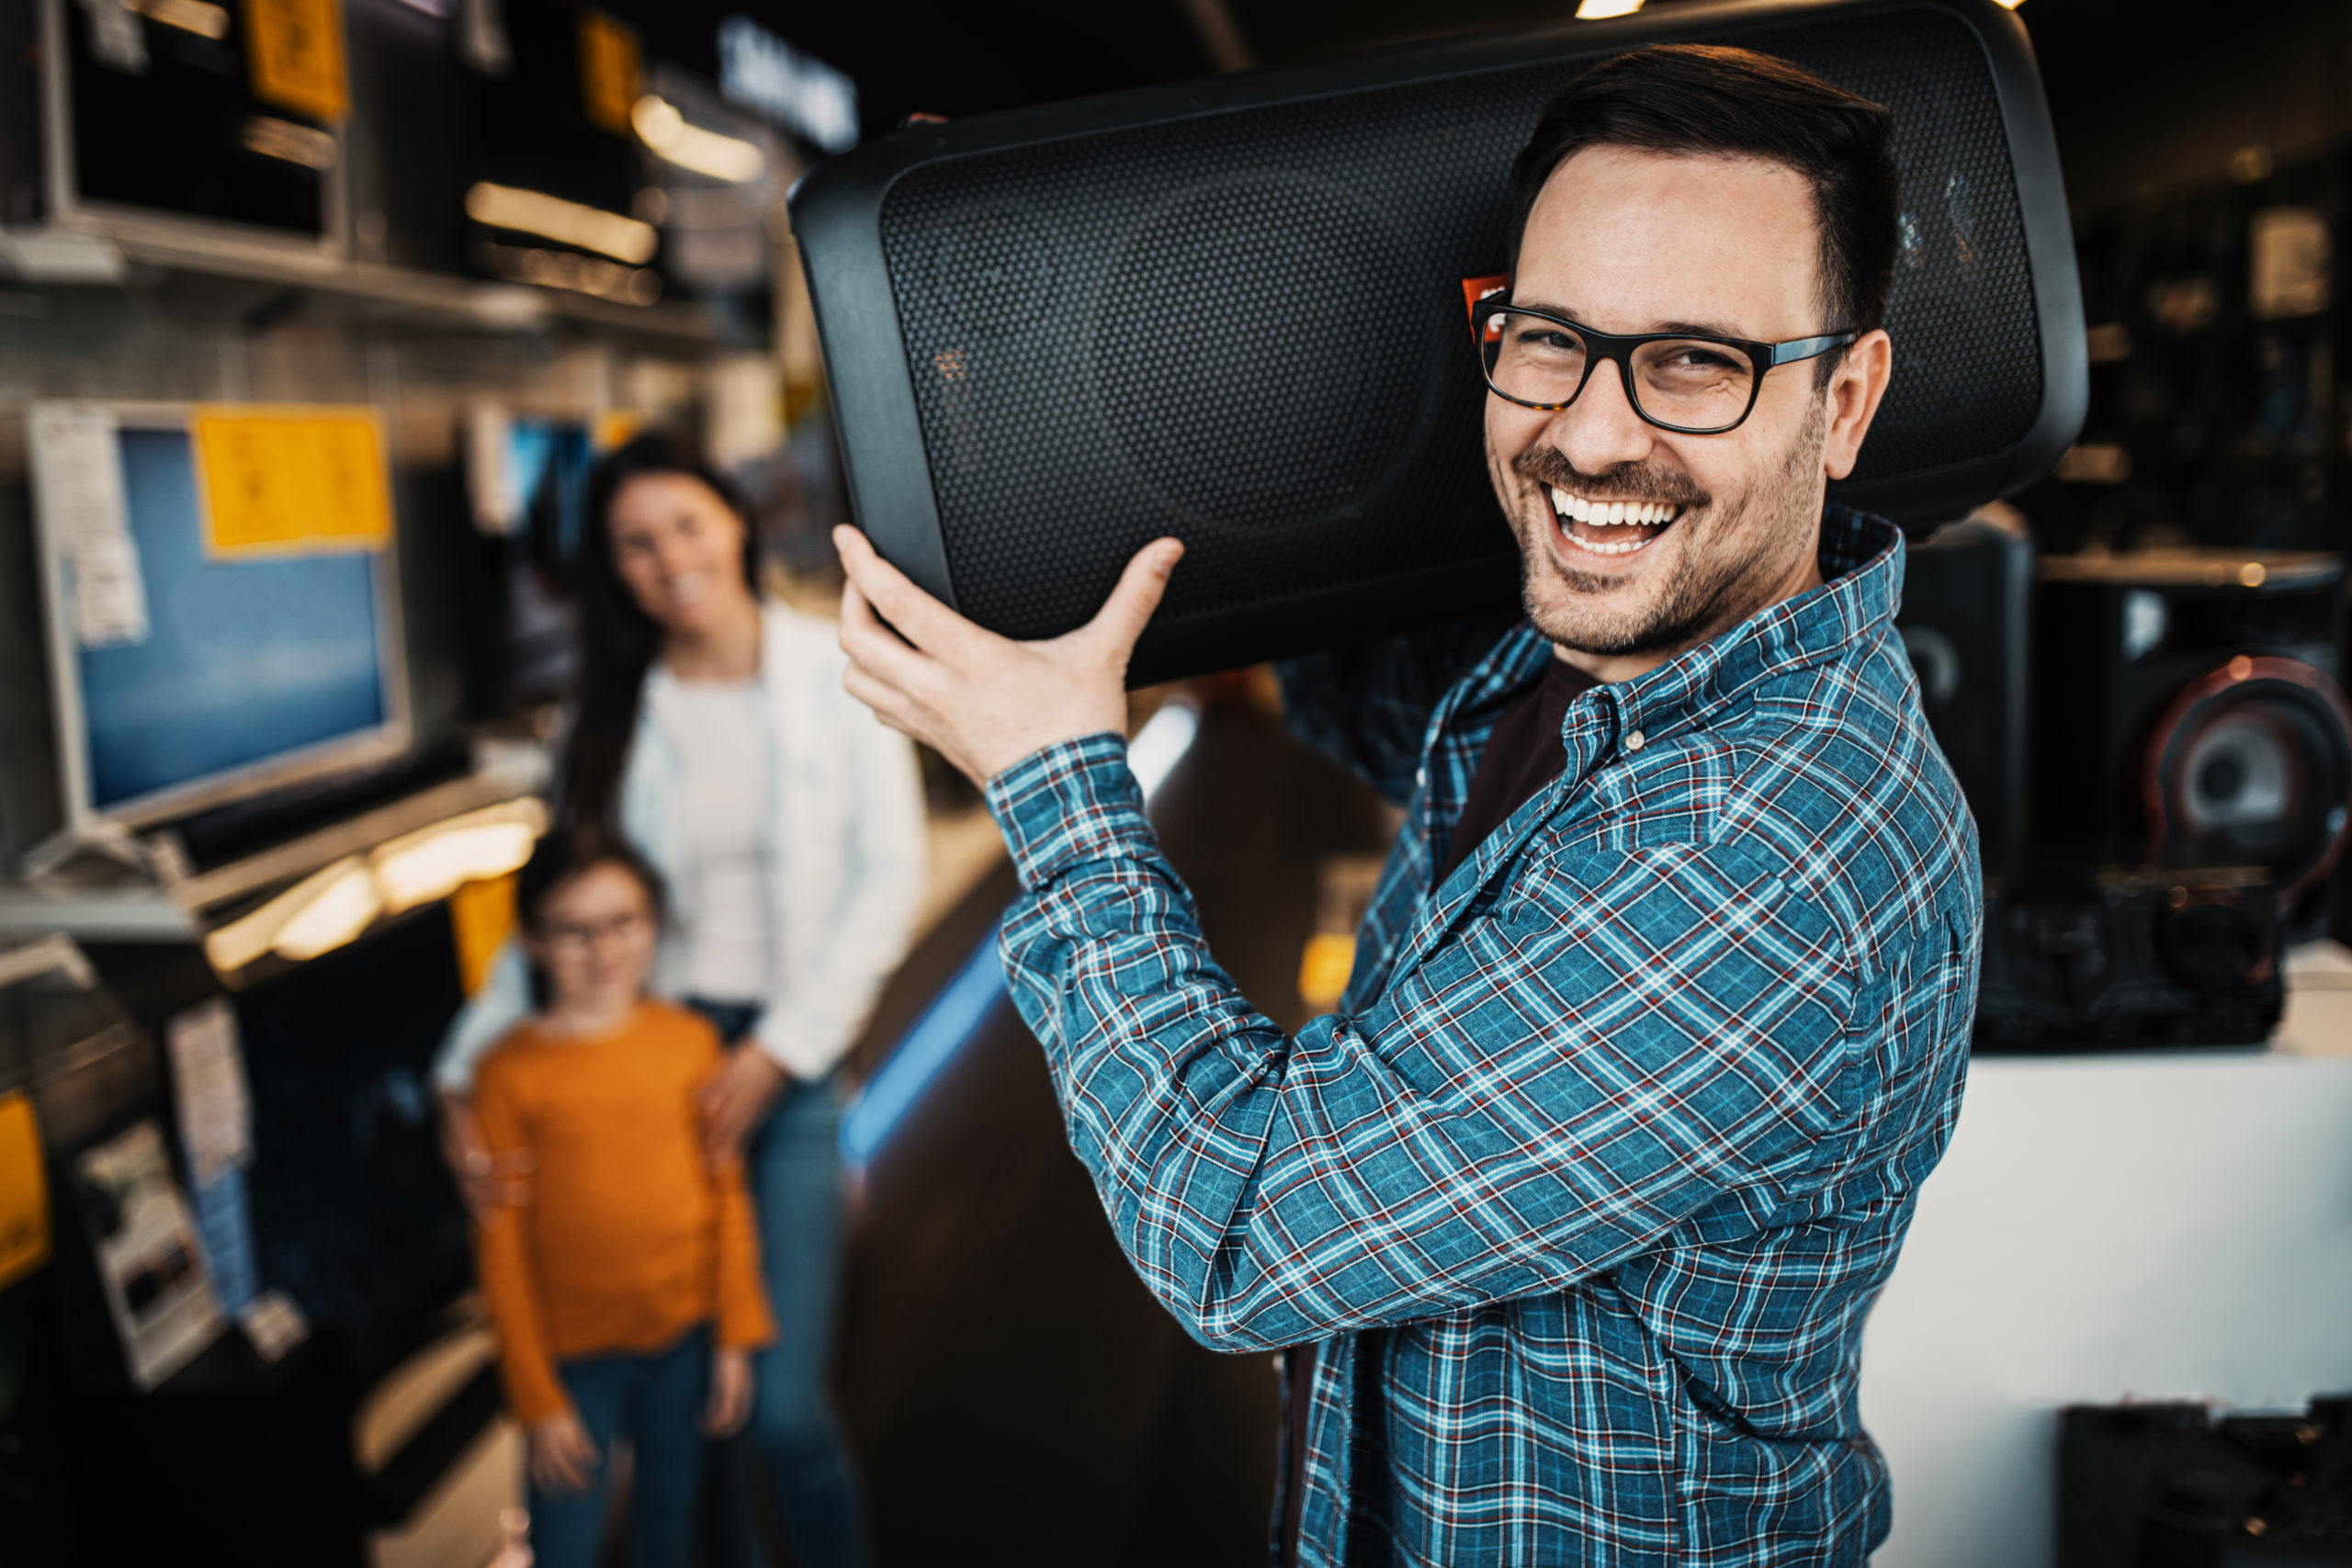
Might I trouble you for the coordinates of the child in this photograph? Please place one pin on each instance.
(622, 1271)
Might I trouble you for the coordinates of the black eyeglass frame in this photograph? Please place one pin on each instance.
(1762, 357)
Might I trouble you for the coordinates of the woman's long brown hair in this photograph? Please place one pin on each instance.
(618, 641)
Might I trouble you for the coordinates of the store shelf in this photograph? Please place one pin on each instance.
(61, 256)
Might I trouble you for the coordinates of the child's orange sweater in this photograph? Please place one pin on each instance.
(617, 1235)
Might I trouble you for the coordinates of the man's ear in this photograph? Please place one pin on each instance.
(1855, 390)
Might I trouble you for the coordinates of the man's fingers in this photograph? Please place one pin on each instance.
(920, 619)
(888, 700)
(1128, 609)
(875, 648)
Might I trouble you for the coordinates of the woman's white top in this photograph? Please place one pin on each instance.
(720, 731)
(841, 838)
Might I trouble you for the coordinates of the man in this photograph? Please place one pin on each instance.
(1660, 1013)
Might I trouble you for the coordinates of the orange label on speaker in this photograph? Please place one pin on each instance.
(1476, 288)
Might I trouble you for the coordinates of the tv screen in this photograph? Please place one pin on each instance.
(219, 670)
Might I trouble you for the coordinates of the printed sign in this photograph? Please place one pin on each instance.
(292, 481)
(612, 72)
(294, 50)
(23, 1191)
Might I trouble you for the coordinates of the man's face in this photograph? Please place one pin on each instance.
(1630, 242)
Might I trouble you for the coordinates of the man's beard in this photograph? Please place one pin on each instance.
(1709, 589)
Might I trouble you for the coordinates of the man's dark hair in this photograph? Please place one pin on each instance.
(1702, 98)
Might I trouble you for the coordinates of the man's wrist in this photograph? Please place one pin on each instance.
(1071, 801)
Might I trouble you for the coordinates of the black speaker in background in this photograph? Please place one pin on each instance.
(1232, 310)
(2191, 722)
(2073, 960)
(2170, 1486)
(1966, 620)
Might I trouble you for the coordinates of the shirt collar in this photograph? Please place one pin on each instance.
(1861, 569)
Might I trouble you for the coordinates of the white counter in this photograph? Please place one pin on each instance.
(2150, 1226)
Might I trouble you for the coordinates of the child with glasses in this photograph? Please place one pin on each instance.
(622, 1271)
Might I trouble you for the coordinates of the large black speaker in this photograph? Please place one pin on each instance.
(1966, 622)
(1052, 334)
(2190, 719)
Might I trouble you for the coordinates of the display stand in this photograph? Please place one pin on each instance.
(2152, 1226)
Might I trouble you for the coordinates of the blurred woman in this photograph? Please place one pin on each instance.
(713, 733)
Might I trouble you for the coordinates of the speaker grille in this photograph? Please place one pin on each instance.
(1091, 323)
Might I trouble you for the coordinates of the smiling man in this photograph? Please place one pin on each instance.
(1570, 1216)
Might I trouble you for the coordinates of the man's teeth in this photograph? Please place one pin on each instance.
(1607, 514)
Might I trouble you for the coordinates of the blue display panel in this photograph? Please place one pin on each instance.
(245, 661)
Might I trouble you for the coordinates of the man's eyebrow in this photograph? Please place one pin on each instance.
(1692, 329)
(1702, 329)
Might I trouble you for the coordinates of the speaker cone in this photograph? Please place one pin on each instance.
(2252, 766)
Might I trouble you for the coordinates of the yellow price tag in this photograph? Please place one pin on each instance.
(294, 50)
(292, 481)
(23, 1191)
(612, 72)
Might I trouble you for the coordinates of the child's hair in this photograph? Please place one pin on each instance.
(565, 852)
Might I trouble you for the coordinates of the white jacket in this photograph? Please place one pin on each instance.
(846, 845)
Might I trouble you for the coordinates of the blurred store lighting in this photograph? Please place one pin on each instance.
(797, 92)
(275, 138)
(1599, 10)
(568, 269)
(189, 16)
(431, 863)
(662, 128)
(551, 217)
(955, 1015)
(316, 914)
(1161, 743)
(345, 905)
(336, 905)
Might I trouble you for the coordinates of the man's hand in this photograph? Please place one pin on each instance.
(563, 1456)
(983, 700)
(731, 1393)
(731, 1100)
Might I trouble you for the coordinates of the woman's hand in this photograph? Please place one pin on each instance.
(485, 1181)
(980, 700)
(563, 1456)
(731, 1100)
(731, 1393)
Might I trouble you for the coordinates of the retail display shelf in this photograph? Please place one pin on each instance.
(65, 255)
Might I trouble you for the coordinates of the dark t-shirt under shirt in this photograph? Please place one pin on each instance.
(1522, 756)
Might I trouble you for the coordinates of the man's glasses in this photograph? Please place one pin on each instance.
(1691, 384)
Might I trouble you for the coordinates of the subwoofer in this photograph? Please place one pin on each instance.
(1054, 335)
(2191, 720)
(1966, 622)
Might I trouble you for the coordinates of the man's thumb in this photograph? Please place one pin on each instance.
(1128, 609)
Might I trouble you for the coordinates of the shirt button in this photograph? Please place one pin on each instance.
(1420, 776)
(1635, 740)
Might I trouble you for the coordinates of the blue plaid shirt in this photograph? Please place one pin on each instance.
(1587, 1188)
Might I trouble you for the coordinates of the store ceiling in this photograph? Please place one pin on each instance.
(950, 57)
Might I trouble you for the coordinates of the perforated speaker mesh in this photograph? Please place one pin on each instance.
(1092, 325)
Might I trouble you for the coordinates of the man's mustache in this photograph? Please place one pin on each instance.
(1625, 481)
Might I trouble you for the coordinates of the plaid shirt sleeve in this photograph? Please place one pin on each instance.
(1626, 1040)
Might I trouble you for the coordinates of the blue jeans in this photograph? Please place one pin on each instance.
(793, 1168)
(654, 1401)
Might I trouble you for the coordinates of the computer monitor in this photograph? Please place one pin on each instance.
(208, 644)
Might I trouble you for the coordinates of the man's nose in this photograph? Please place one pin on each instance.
(1600, 430)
